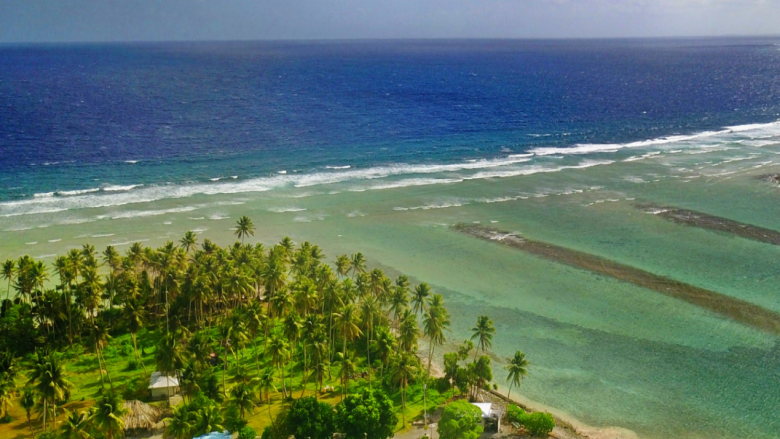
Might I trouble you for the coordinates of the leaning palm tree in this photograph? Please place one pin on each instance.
(180, 425)
(277, 348)
(517, 368)
(346, 371)
(384, 345)
(9, 270)
(483, 332)
(107, 414)
(342, 265)
(404, 368)
(75, 426)
(244, 228)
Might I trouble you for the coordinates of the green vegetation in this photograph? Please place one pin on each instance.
(257, 337)
(460, 420)
(537, 423)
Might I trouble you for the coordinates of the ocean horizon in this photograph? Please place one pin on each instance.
(611, 148)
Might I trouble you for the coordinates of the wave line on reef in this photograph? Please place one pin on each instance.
(736, 309)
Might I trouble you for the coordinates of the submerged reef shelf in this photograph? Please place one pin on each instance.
(735, 309)
(710, 222)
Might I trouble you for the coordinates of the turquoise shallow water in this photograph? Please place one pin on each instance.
(606, 352)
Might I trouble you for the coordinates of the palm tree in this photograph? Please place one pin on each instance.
(75, 426)
(169, 355)
(346, 322)
(408, 332)
(7, 391)
(188, 241)
(135, 321)
(107, 414)
(517, 368)
(342, 265)
(346, 371)
(435, 322)
(99, 337)
(9, 270)
(209, 419)
(244, 228)
(28, 402)
(483, 332)
(404, 368)
(48, 379)
(277, 347)
(180, 425)
(357, 264)
(384, 345)
(420, 298)
(371, 312)
(242, 396)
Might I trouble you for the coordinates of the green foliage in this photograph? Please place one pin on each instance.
(308, 418)
(539, 423)
(368, 415)
(137, 388)
(247, 433)
(460, 420)
(233, 421)
(47, 435)
(515, 414)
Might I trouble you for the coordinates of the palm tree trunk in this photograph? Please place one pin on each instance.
(100, 366)
(368, 356)
(510, 392)
(44, 414)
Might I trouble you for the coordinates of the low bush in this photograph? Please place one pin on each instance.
(539, 423)
(247, 433)
(515, 414)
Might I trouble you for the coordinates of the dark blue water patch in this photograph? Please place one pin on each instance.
(72, 116)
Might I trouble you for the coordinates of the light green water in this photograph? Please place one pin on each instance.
(606, 352)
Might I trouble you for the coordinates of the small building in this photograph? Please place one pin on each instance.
(491, 419)
(163, 386)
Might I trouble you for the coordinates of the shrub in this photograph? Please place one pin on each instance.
(539, 423)
(310, 418)
(247, 433)
(369, 411)
(136, 389)
(460, 420)
(515, 414)
(47, 435)
(233, 421)
(6, 419)
(133, 365)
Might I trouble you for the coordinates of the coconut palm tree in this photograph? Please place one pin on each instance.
(408, 332)
(370, 314)
(435, 322)
(75, 426)
(7, 390)
(420, 298)
(404, 368)
(135, 321)
(277, 348)
(99, 338)
(244, 228)
(169, 355)
(209, 419)
(357, 264)
(342, 265)
(180, 424)
(48, 379)
(9, 270)
(347, 323)
(242, 396)
(483, 332)
(517, 368)
(188, 241)
(346, 371)
(27, 401)
(384, 345)
(107, 414)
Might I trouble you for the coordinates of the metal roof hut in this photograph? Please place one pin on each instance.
(141, 416)
(163, 386)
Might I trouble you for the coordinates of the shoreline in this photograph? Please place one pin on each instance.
(566, 425)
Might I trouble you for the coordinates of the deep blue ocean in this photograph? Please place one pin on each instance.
(81, 117)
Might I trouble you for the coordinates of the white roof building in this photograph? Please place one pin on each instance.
(486, 407)
(163, 386)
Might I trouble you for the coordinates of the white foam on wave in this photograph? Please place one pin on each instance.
(286, 209)
(131, 162)
(338, 167)
(102, 235)
(55, 240)
(77, 192)
(145, 213)
(441, 205)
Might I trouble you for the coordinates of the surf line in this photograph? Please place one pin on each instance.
(729, 307)
(710, 222)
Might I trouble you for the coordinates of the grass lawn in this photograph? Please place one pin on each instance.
(83, 371)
